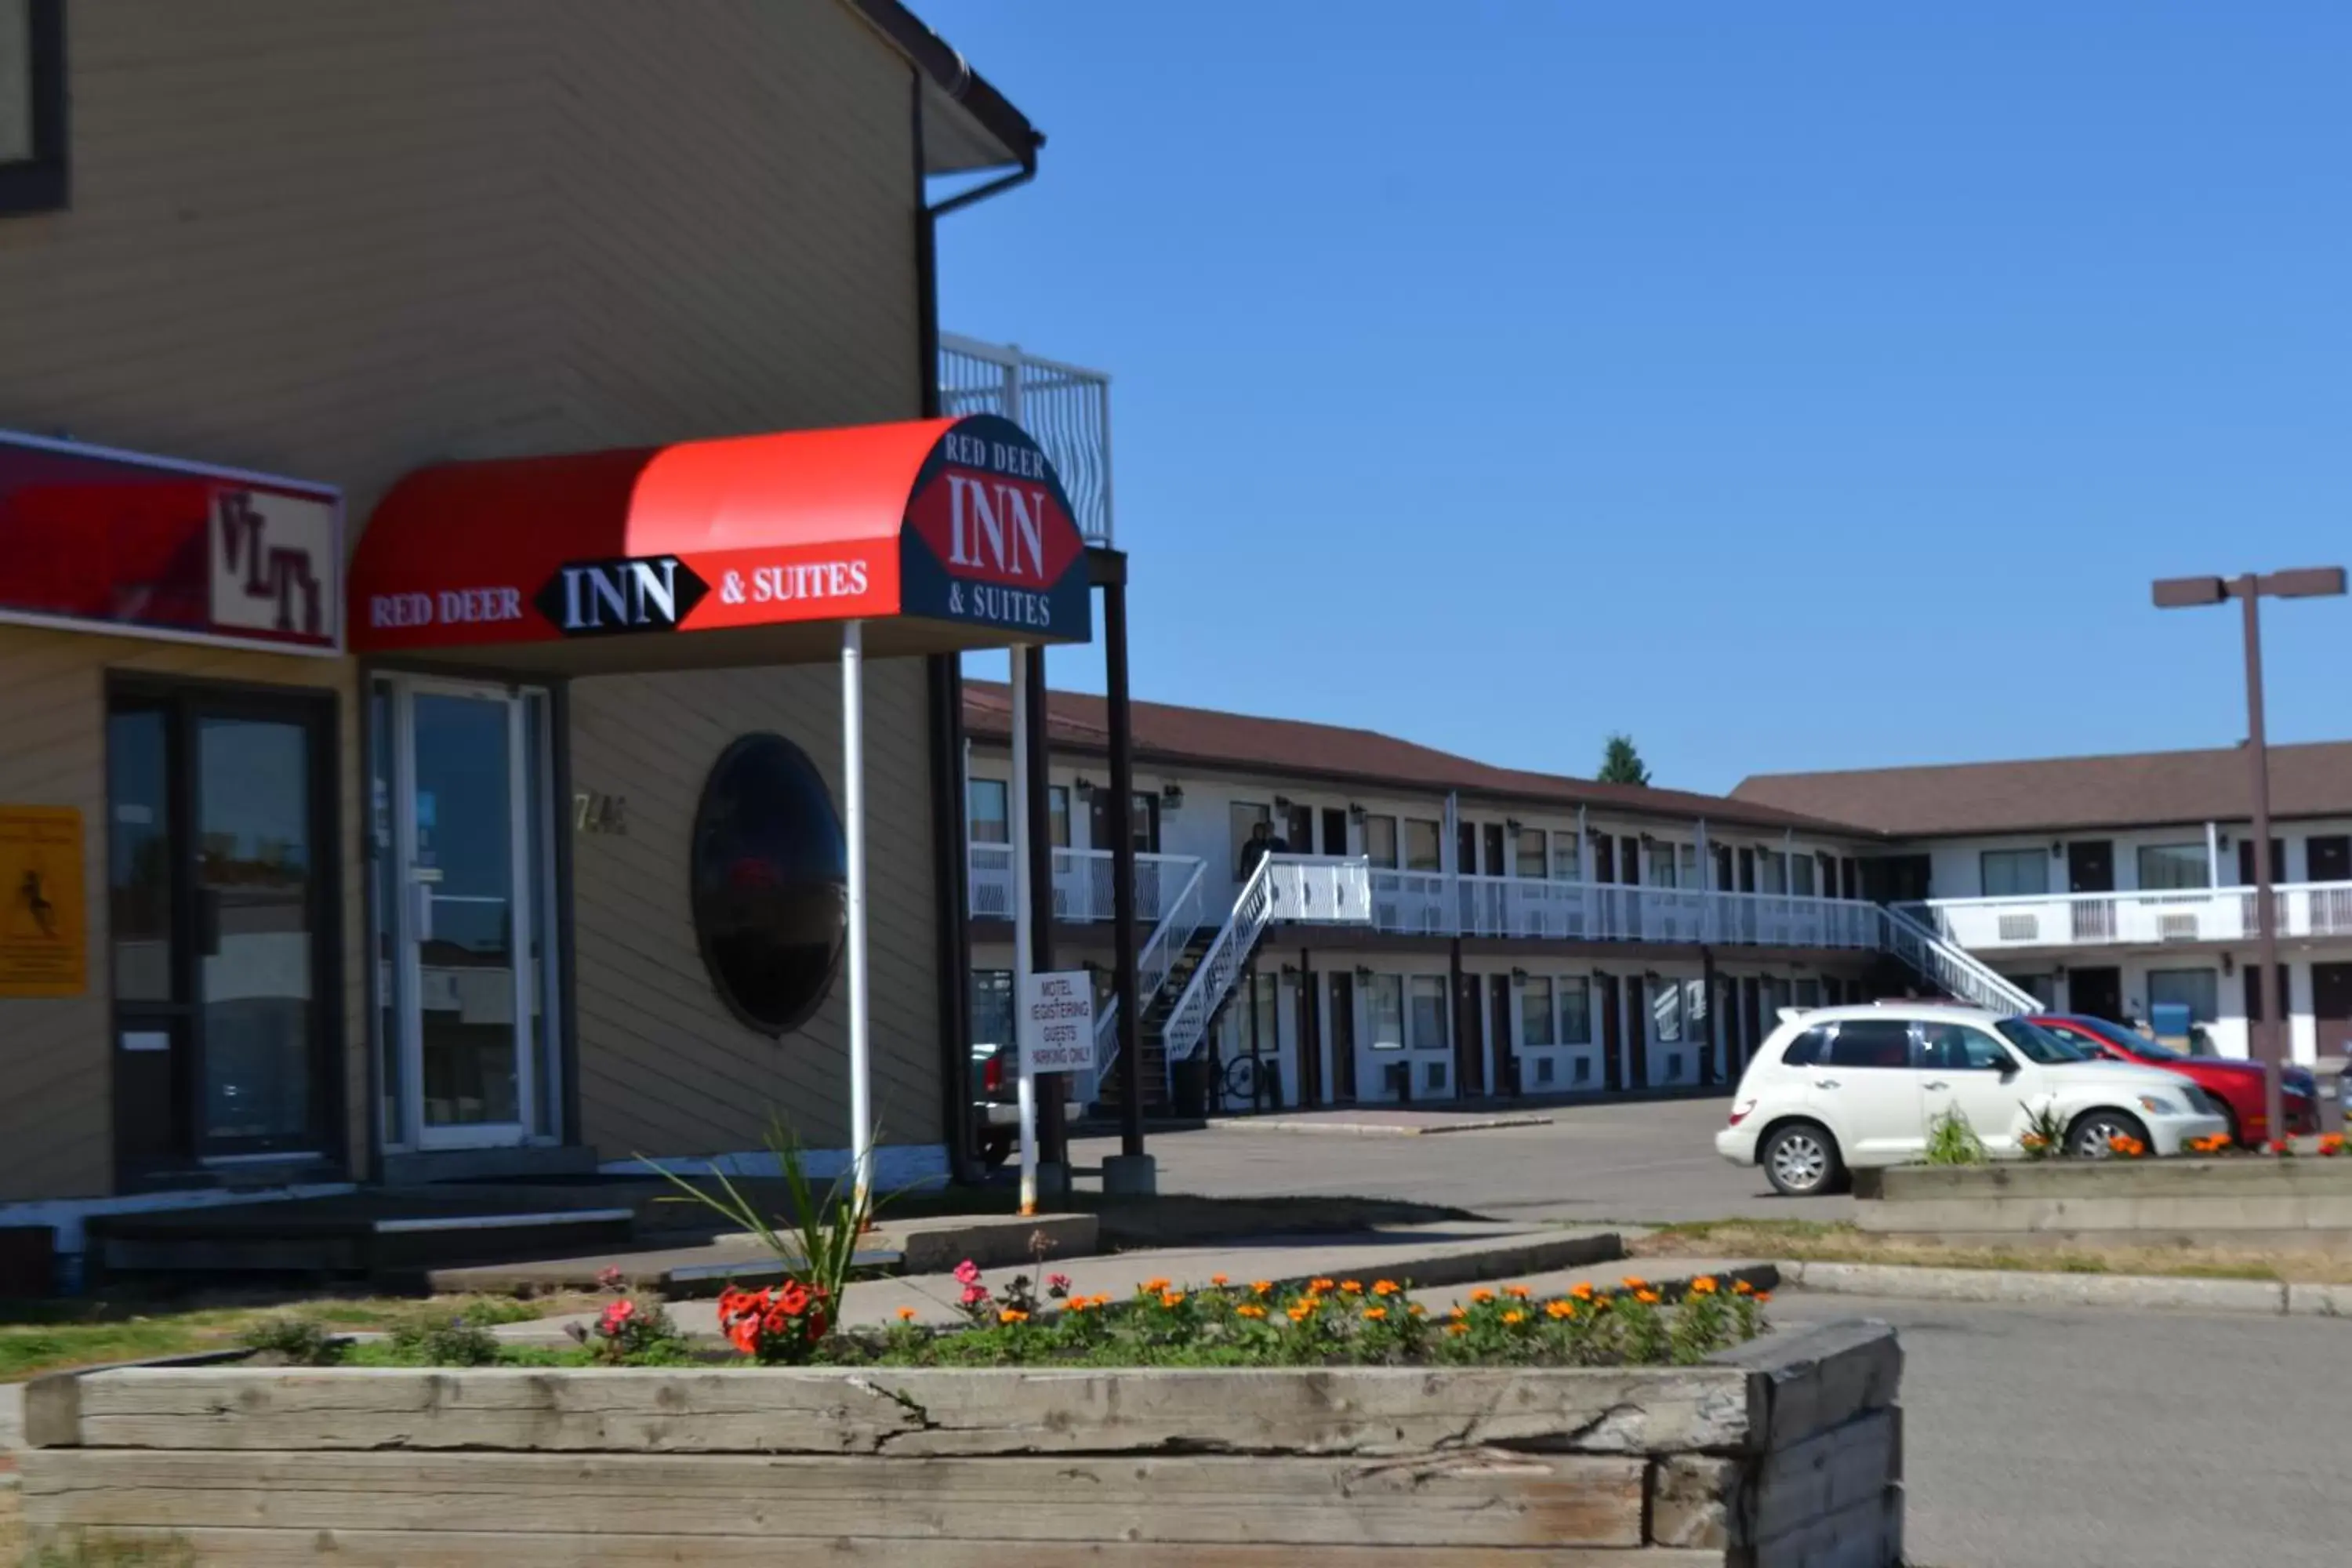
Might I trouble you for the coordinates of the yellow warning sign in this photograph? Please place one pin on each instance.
(43, 934)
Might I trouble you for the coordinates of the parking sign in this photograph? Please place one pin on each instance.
(1057, 1023)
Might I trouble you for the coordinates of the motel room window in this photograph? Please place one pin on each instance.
(1384, 1011)
(1537, 1026)
(2198, 990)
(2014, 873)
(2163, 865)
(1057, 817)
(32, 105)
(1661, 858)
(1666, 1011)
(1576, 1011)
(991, 1007)
(990, 824)
(1567, 865)
(1381, 840)
(1426, 995)
(1800, 875)
(1771, 871)
(1530, 859)
(2043, 989)
(1422, 837)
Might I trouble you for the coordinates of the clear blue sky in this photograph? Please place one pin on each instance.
(1790, 386)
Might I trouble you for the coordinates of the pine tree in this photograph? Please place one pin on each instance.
(1621, 763)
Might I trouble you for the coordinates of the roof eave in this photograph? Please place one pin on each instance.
(969, 126)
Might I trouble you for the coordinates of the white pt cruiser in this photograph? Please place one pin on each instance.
(1840, 1087)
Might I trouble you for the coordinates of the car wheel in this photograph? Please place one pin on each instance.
(1800, 1159)
(2228, 1121)
(2088, 1137)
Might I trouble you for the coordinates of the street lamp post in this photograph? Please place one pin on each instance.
(2268, 1042)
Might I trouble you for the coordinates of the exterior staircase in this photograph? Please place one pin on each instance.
(1953, 970)
(1150, 1038)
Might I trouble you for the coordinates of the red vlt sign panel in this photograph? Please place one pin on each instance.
(137, 545)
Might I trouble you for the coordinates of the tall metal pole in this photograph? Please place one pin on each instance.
(2271, 1028)
(1122, 863)
(1017, 825)
(853, 792)
(1053, 1138)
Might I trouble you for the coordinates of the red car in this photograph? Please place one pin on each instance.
(2237, 1084)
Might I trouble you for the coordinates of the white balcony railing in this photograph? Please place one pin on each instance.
(1081, 884)
(2152, 919)
(1420, 903)
(1065, 409)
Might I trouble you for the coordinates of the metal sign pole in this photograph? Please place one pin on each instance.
(1024, 965)
(853, 791)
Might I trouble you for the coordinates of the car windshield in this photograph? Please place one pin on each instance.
(2131, 1040)
(2040, 1045)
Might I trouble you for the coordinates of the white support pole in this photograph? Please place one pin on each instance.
(2213, 856)
(853, 793)
(1022, 957)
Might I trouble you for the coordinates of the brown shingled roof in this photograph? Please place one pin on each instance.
(2146, 789)
(1169, 736)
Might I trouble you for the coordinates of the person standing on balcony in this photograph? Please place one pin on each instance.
(1262, 843)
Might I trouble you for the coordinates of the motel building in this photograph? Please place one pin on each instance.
(1427, 928)
(488, 526)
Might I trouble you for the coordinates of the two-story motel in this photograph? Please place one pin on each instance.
(1416, 925)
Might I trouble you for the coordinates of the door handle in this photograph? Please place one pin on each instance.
(1939, 1083)
(1825, 1083)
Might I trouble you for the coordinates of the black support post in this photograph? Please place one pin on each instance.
(1111, 575)
(1053, 1130)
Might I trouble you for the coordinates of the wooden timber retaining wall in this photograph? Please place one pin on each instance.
(1785, 1453)
(2242, 1201)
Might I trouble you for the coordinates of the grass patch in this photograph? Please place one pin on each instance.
(1814, 1241)
(53, 1336)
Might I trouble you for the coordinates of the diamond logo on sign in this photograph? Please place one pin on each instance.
(1057, 1023)
(630, 594)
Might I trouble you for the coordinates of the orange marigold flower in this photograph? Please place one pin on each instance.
(1171, 1297)
(1458, 1328)
(1558, 1310)
(1218, 1281)
(1261, 1287)
(1634, 1282)
(1582, 1291)
(1515, 1317)
(1011, 1315)
(1385, 1287)
(1246, 1311)
(1153, 1287)
(1457, 1313)
(1376, 1314)
(1416, 1310)
(1319, 1285)
(1351, 1286)
(1300, 1313)
(1742, 1287)
(905, 1314)
(1647, 1298)
(1763, 1295)
(1518, 1292)
(1702, 1286)
(1482, 1295)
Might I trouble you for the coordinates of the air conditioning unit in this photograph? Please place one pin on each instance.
(2020, 928)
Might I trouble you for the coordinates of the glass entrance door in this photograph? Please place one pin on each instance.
(463, 884)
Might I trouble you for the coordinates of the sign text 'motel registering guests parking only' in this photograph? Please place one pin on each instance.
(1057, 1023)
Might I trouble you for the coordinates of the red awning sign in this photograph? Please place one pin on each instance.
(117, 542)
(954, 520)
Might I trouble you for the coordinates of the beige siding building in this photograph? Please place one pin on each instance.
(339, 241)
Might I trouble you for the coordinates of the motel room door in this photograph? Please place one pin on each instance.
(465, 887)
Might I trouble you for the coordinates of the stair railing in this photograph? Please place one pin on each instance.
(1954, 969)
(1316, 888)
(1169, 939)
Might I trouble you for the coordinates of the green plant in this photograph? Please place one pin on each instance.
(1952, 1141)
(628, 1332)
(444, 1341)
(2045, 1137)
(821, 1246)
(293, 1342)
(85, 1551)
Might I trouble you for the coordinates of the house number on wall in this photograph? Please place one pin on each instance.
(593, 812)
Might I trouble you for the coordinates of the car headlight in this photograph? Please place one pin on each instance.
(2159, 1105)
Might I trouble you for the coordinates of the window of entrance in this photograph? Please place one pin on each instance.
(466, 996)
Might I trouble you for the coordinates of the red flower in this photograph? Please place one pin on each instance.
(792, 1301)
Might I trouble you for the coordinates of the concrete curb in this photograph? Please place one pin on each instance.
(1373, 1128)
(2153, 1292)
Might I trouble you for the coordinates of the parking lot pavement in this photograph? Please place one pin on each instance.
(2162, 1441)
(1626, 1163)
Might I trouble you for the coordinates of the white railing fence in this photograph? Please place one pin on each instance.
(1082, 883)
(1305, 889)
(1954, 970)
(1065, 408)
(2299, 910)
(991, 880)
(1417, 903)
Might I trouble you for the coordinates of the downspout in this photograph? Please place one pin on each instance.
(950, 868)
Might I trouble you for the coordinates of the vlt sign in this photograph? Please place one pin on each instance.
(599, 598)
